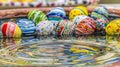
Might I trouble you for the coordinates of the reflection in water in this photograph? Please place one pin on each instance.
(53, 51)
(114, 42)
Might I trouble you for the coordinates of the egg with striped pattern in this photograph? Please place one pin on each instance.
(84, 25)
(37, 16)
(100, 13)
(57, 14)
(27, 26)
(10, 29)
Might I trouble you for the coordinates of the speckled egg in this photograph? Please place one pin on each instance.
(113, 27)
(100, 26)
(37, 16)
(44, 28)
(79, 10)
(65, 27)
(84, 25)
(27, 26)
(10, 29)
(79, 18)
(56, 14)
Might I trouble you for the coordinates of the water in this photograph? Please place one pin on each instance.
(60, 51)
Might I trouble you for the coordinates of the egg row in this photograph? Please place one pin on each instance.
(55, 22)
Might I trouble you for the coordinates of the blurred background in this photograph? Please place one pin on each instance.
(110, 1)
(7, 4)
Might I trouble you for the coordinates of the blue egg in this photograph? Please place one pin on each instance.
(27, 26)
(57, 14)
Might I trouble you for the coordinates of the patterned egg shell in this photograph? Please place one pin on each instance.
(100, 25)
(45, 28)
(27, 26)
(113, 27)
(80, 10)
(65, 27)
(79, 18)
(37, 16)
(10, 29)
(55, 24)
(85, 26)
(100, 13)
(57, 14)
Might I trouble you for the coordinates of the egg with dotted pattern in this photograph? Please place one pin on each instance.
(113, 28)
(79, 10)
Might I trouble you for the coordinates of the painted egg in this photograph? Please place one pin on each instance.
(80, 10)
(56, 14)
(44, 28)
(65, 27)
(84, 25)
(113, 27)
(55, 24)
(100, 13)
(10, 29)
(37, 16)
(27, 26)
(79, 18)
(100, 26)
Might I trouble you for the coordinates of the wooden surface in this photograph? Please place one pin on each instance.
(22, 12)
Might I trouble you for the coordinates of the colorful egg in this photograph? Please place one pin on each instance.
(37, 16)
(80, 10)
(113, 27)
(55, 24)
(57, 14)
(84, 25)
(27, 26)
(44, 28)
(65, 27)
(100, 26)
(79, 18)
(100, 13)
(10, 29)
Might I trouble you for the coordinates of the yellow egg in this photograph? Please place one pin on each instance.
(17, 32)
(83, 8)
(79, 10)
(113, 27)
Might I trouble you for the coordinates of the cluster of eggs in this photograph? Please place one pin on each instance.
(55, 22)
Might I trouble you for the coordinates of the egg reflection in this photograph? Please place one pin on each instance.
(63, 50)
(5, 42)
(113, 41)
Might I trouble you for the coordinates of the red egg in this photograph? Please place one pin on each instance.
(10, 29)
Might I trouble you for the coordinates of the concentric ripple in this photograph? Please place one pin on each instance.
(57, 52)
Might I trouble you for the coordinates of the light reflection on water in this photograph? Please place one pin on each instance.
(65, 50)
